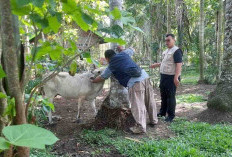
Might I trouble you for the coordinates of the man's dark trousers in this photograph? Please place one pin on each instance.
(168, 95)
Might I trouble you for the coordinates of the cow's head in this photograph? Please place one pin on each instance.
(96, 72)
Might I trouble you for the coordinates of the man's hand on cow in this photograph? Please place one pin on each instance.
(155, 65)
(176, 82)
(97, 79)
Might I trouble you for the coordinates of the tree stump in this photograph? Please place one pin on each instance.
(116, 118)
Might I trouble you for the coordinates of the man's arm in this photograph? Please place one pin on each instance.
(105, 75)
(155, 65)
(178, 71)
(129, 51)
(178, 60)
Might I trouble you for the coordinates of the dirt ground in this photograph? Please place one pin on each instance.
(68, 130)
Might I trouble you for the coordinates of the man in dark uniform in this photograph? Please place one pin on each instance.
(170, 70)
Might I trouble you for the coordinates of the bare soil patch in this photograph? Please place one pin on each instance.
(68, 130)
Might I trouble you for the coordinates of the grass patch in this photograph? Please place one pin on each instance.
(40, 153)
(190, 98)
(190, 77)
(193, 139)
(102, 140)
(99, 138)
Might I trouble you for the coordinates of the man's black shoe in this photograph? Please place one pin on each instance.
(152, 125)
(160, 115)
(169, 120)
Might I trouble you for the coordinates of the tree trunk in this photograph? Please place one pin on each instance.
(10, 60)
(221, 98)
(117, 102)
(118, 94)
(3, 101)
(151, 37)
(3, 105)
(168, 16)
(201, 40)
(115, 4)
(219, 39)
(26, 38)
(179, 16)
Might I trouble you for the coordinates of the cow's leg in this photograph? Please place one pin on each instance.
(50, 117)
(49, 94)
(50, 113)
(80, 100)
(94, 106)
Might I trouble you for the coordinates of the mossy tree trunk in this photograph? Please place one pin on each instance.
(219, 37)
(10, 59)
(118, 94)
(221, 97)
(114, 112)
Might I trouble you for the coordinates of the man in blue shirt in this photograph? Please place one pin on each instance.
(141, 93)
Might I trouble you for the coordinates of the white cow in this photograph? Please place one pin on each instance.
(78, 87)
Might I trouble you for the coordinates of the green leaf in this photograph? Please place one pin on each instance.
(69, 6)
(91, 10)
(4, 144)
(137, 29)
(39, 66)
(2, 95)
(87, 18)
(73, 68)
(48, 104)
(115, 40)
(2, 73)
(55, 54)
(73, 45)
(19, 10)
(21, 3)
(32, 83)
(38, 3)
(86, 55)
(43, 50)
(117, 30)
(54, 23)
(116, 13)
(69, 52)
(77, 17)
(22, 11)
(28, 135)
(89, 60)
(10, 109)
(52, 4)
(128, 19)
(40, 21)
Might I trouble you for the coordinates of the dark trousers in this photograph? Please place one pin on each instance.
(168, 96)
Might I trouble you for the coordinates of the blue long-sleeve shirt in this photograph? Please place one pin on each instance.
(107, 73)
